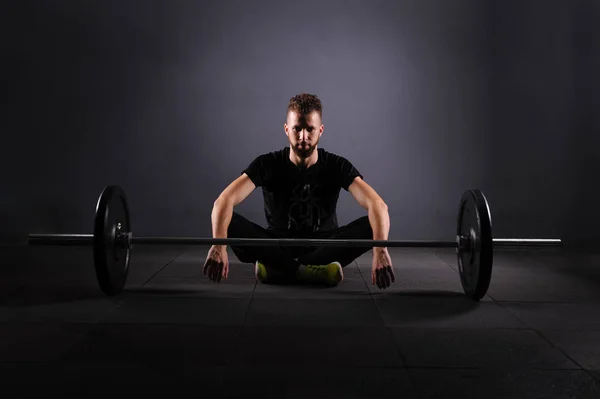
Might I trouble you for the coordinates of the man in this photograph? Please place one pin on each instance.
(301, 186)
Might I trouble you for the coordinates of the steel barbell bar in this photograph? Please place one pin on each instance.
(88, 239)
(112, 241)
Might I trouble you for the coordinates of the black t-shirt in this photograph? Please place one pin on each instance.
(301, 201)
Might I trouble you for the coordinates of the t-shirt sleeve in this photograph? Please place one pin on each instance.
(346, 172)
(259, 170)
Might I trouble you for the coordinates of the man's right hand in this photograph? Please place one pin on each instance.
(217, 263)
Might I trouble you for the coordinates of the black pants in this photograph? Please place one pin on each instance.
(287, 259)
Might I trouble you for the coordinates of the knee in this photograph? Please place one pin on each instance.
(236, 217)
(359, 229)
(363, 220)
(234, 224)
(364, 225)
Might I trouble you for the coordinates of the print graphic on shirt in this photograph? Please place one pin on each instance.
(304, 212)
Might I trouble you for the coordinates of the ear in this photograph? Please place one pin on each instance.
(285, 127)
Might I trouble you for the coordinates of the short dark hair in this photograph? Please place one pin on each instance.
(305, 103)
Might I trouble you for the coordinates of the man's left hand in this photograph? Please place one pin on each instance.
(383, 270)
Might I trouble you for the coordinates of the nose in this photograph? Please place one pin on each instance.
(303, 135)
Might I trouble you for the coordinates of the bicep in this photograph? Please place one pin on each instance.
(238, 190)
(363, 193)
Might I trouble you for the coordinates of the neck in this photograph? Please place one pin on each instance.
(304, 162)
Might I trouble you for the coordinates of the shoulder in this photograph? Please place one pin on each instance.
(262, 168)
(341, 168)
(271, 156)
(333, 159)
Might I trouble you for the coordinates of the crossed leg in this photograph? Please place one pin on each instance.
(359, 229)
(288, 259)
(276, 257)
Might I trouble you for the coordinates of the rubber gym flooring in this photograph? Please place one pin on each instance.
(173, 331)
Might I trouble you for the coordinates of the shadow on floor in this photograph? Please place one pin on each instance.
(426, 305)
(31, 295)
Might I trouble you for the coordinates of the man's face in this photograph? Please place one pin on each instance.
(303, 132)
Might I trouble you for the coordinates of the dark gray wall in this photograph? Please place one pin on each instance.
(172, 99)
(585, 140)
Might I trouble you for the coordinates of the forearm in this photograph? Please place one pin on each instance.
(221, 215)
(379, 218)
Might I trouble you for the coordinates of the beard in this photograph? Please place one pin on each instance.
(303, 151)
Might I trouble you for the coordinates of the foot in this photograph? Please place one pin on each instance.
(266, 274)
(330, 275)
(260, 271)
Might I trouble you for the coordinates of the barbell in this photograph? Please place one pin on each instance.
(113, 241)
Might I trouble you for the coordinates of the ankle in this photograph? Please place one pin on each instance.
(301, 270)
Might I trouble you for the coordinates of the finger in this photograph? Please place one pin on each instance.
(372, 276)
(207, 267)
(216, 272)
(383, 277)
(213, 270)
(379, 279)
(221, 270)
(386, 277)
(391, 272)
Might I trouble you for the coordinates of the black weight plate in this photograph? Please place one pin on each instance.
(475, 262)
(110, 260)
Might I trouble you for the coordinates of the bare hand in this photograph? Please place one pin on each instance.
(383, 271)
(217, 264)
